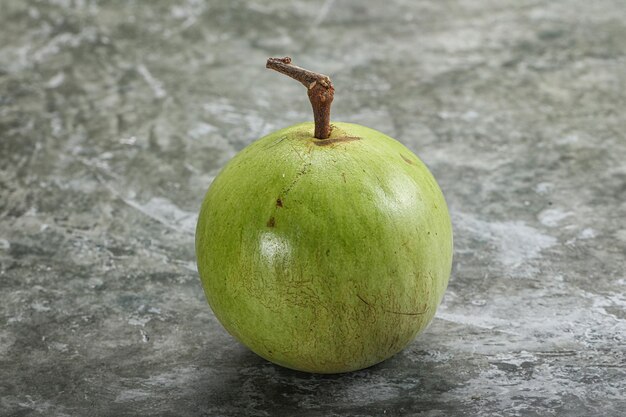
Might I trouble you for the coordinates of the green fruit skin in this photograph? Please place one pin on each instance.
(329, 258)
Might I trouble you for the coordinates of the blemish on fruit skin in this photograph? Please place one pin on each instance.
(271, 222)
(407, 160)
(361, 298)
(279, 202)
(330, 141)
(401, 313)
(419, 313)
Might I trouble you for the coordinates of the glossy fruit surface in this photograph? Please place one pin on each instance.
(324, 255)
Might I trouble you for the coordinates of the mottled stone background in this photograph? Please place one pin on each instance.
(116, 115)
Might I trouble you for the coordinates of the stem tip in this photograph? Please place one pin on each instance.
(320, 90)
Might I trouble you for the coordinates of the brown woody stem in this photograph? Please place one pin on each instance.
(319, 87)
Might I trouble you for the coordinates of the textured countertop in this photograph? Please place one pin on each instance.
(115, 116)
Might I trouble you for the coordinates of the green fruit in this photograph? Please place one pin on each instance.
(324, 255)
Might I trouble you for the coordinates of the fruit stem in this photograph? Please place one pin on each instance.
(319, 87)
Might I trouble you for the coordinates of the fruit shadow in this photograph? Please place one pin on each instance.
(245, 383)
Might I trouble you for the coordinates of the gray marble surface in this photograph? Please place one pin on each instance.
(116, 115)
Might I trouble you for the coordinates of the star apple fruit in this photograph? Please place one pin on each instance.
(324, 254)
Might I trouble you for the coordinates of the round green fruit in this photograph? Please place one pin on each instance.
(324, 255)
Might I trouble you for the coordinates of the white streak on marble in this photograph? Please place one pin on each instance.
(517, 242)
(480, 321)
(4, 244)
(587, 233)
(155, 84)
(553, 217)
